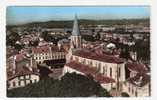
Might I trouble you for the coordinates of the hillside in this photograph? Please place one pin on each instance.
(68, 24)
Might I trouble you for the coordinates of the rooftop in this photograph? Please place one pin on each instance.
(138, 67)
(87, 70)
(47, 49)
(139, 80)
(43, 49)
(20, 71)
(98, 56)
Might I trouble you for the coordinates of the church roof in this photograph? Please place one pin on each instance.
(85, 53)
(88, 70)
(75, 31)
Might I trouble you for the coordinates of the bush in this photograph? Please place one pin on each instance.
(124, 94)
(70, 85)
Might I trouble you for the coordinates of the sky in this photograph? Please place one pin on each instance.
(25, 14)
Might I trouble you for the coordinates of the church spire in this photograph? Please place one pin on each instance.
(76, 31)
(75, 37)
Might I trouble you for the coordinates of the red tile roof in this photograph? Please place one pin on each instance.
(43, 49)
(139, 82)
(47, 49)
(101, 57)
(56, 49)
(87, 70)
(103, 79)
(82, 68)
(140, 68)
(20, 71)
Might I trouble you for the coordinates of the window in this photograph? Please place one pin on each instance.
(14, 84)
(19, 83)
(88, 62)
(91, 63)
(99, 69)
(110, 72)
(132, 91)
(84, 61)
(104, 70)
(27, 76)
(99, 64)
(136, 93)
(129, 88)
(119, 72)
(21, 77)
(31, 82)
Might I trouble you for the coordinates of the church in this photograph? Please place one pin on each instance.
(107, 69)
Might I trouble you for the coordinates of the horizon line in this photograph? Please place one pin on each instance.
(72, 20)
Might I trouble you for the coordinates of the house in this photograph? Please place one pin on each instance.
(138, 86)
(134, 68)
(21, 77)
(52, 52)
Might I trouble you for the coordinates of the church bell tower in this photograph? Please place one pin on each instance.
(75, 37)
(75, 42)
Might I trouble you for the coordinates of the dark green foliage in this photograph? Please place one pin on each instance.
(52, 38)
(88, 38)
(70, 85)
(18, 46)
(125, 52)
(34, 43)
(143, 49)
(124, 94)
(97, 37)
(12, 38)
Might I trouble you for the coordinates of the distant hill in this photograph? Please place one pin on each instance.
(68, 24)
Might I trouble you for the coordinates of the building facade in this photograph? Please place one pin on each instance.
(22, 77)
(40, 54)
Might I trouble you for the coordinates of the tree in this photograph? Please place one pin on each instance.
(34, 43)
(12, 38)
(18, 46)
(124, 94)
(70, 85)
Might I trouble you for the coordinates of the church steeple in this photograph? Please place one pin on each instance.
(76, 31)
(76, 36)
(75, 39)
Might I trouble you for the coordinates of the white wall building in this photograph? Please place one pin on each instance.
(73, 66)
(22, 77)
(41, 54)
